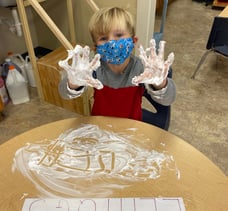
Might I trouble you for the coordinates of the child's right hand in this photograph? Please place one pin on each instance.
(80, 71)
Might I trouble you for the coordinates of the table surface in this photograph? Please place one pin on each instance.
(224, 13)
(202, 185)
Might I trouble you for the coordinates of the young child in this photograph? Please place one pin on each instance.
(118, 77)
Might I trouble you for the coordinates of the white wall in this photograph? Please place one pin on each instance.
(8, 40)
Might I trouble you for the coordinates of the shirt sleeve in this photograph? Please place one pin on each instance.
(165, 96)
(67, 93)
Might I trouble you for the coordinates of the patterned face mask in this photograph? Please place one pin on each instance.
(116, 51)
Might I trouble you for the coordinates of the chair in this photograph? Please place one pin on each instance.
(162, 116)
(158, 36)
(217, 41)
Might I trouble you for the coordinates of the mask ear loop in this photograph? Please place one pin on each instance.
(135, 39)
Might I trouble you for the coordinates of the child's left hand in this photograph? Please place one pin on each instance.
(155, 68)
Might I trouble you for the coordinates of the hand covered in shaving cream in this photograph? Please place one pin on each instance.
(155, 68)
(80, 71)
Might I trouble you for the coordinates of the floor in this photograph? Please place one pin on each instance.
(200, 112)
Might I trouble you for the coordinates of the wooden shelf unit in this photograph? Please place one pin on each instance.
(217, 3)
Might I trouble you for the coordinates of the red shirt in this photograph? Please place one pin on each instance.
(121, 102)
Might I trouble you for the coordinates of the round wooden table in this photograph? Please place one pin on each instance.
(200, 183)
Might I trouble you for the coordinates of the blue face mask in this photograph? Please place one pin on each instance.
(116, 51)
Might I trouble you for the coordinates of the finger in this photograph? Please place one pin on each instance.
(153, 53)
(94, 83)
(64, 64)
(142, 55)
(69, 56)
(95, 63)
(170, 59)
(143, 60)
(167, 64)
(140, 78)
(142, 51)
(77, 49)
(85, 54)
(161, 50)
(165, 71)
(135, 81)
(77, 53)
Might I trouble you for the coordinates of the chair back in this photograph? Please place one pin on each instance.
(217, 41)
(219, 33)
(161, 118)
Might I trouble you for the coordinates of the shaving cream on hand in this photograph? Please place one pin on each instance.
(80, 71)
(155, 68)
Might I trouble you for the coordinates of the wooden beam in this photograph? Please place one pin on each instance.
(71, 21)
(93, 5)
(52, 26)
(26, 2)
(29, 44)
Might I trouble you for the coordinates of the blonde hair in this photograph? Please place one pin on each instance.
(105, 19)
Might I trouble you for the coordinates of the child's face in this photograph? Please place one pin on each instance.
(114, 34)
